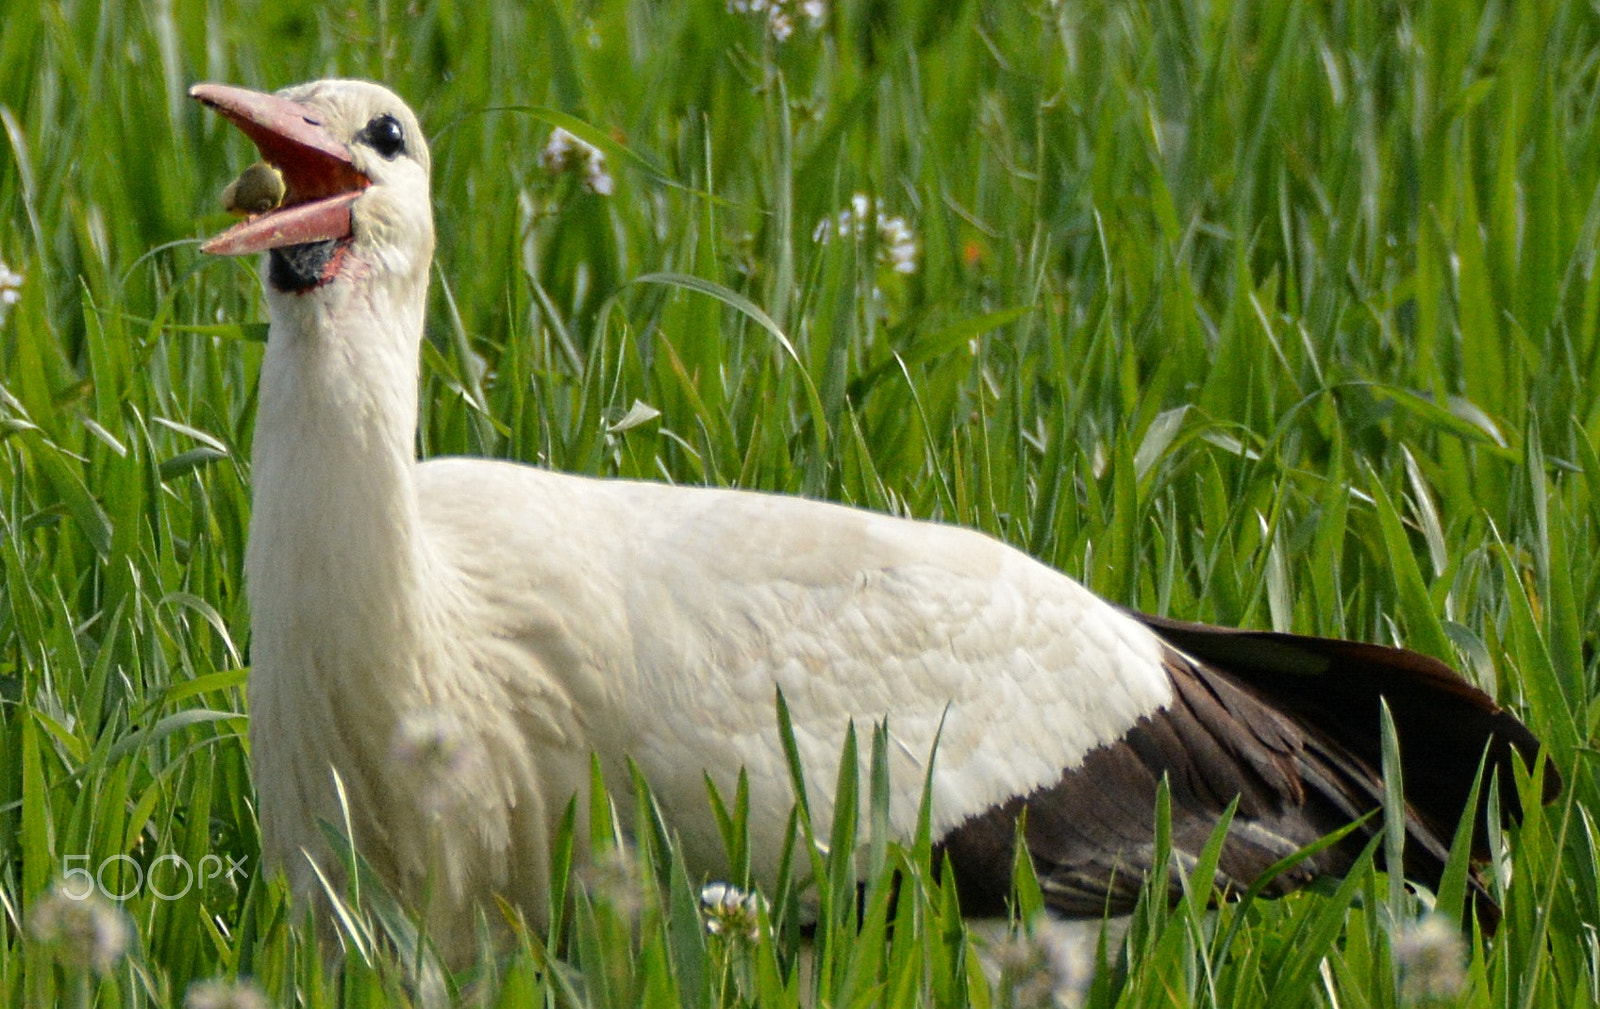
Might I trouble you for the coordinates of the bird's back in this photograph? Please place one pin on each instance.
(680, 612)
(683, 611)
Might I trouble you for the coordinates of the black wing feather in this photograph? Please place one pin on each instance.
(1290, 726)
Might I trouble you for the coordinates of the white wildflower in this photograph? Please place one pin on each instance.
(899, 244)
(859, 205)
(1432, 956)
(731, 911)
(82, 931)
(439, 756)
(218, 993)
(781, 15)
(567, 153)
(1049, 965)
(10, 285)
(865, 220)
(613, 878)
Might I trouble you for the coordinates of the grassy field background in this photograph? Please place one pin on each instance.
(1280, 314)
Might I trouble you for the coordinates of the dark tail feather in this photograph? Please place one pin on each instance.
(1290, 727)
(1445, 724)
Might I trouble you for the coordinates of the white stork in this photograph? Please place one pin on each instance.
(545, 617)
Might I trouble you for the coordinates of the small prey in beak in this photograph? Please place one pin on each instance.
(259, 190)
(319, 179)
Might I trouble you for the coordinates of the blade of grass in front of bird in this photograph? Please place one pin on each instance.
(1454, 884)
(1320, 930)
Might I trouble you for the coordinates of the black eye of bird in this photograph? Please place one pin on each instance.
(384, 135)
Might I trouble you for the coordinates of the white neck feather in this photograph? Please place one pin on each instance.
(337, 564)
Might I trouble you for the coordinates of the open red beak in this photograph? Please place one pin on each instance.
(319, 179)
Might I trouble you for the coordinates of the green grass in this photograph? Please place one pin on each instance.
(1280, 314)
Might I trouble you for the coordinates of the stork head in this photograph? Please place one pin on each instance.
(355, 202)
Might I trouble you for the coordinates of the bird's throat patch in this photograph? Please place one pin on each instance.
(302, 267)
